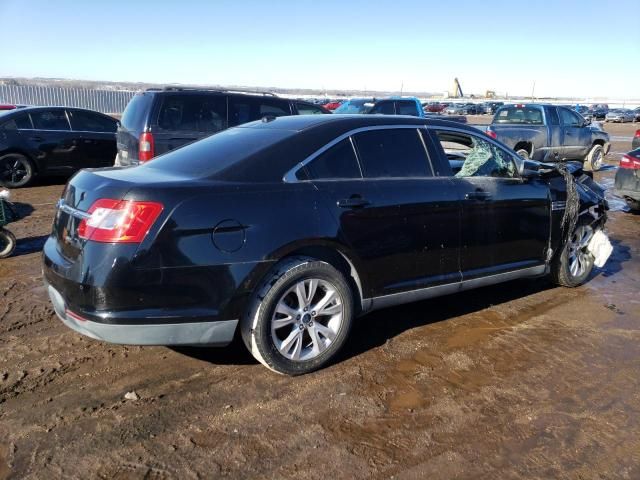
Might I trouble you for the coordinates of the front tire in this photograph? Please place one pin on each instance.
(574, 264)
(595, 158)
(16, 170)
(300, 317)
(7, 243)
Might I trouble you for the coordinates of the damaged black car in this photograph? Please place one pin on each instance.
(286, 229)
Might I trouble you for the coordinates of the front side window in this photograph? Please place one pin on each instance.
(338, 162)
(392, 153)
(194, 113)
(383, 108)
(50, 120)
(90, 122)
(472, 156)
(17, 122)
(569, 118)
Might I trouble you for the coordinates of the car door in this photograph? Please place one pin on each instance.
(96, 138)
(53, 139)
(505, 220)
(397, 217)
(576, 137)
(186, 117)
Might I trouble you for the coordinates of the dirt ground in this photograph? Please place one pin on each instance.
(516, 381)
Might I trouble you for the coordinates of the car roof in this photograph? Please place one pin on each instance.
(345, 122)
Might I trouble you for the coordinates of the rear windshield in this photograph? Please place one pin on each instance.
(134, 116)
(515, 114)
(212, 155)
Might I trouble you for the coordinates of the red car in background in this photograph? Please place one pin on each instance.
(333, 105)
(435, 107)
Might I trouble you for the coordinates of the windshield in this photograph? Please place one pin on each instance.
(355, 106)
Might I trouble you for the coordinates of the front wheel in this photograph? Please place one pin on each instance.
(300, 317)
(7, 243)
(574, 264)
(595, 158)
(16, 170)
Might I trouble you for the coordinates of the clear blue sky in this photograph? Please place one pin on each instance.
(568, 47)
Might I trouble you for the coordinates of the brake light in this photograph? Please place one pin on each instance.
(492, 134)
(119, 221)
(637, 133)
(145, 147)
(627, 161)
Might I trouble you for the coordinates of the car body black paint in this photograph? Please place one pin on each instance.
(409, 234)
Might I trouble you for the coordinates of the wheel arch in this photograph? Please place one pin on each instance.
(524, 145)
(19, 151)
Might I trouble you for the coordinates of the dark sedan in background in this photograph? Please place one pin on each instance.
(53, 141)
(290, 227)
(627, 183)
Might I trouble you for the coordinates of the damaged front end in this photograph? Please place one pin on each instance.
(575, 199)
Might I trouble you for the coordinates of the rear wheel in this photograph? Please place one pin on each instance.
(524, 153)
(16, 170)
(7, 243)
(633, 204)
(574, 264)
(300, 318)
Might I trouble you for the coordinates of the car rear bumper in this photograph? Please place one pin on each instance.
(627, 183)
(214, 333)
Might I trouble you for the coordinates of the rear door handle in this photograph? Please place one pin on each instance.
(482, 196)
(36, 138)
(353, 202)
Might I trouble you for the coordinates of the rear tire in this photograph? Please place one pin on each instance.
(523, 153)
(634, 205)
(16, 170)
(7, 243)
(300, 317)
(574, 264)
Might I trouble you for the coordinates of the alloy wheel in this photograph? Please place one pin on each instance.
(13, 171)
(307, 319)
(579, 256)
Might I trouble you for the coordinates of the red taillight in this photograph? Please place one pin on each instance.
(627, 161)
(492, 134)
(637, 133)
(145, 147)
(119, 221)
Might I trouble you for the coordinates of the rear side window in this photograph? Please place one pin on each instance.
(308, 109)
(338, 161)
(134, 117)
(193, 113)
(553, 116)
(384, 108)
(90, 122)
(18, 122)
(406, 108)
(243, 109)
(519, 114)
(392, 153)
(50, 120)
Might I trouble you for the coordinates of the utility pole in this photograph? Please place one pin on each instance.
(533, 89)
(401, 87)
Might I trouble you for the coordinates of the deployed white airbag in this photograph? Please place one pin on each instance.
(600, 247)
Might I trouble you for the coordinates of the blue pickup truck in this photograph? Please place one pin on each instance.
(550, 133)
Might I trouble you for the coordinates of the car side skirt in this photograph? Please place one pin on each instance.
(375, 303)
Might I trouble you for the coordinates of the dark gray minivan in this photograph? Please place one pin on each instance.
(159, 120)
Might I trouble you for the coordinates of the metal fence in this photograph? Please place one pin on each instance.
(106, 101)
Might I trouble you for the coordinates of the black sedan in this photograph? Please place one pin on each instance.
(288, 228)
(627, 183)
(53, 141)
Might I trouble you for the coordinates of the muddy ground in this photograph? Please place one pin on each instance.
(516, 381)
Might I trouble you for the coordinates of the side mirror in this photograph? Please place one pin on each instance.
(587, 122)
